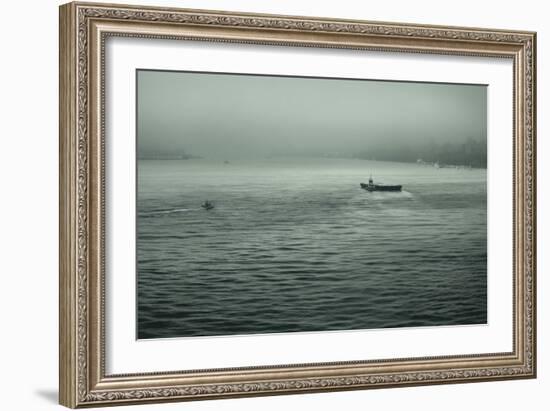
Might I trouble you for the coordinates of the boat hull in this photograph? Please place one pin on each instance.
(381, 187)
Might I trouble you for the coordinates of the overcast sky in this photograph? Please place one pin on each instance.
(241, 116)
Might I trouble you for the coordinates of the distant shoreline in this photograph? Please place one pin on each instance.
(436, 164)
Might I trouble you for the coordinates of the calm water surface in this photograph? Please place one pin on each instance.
(296, 245)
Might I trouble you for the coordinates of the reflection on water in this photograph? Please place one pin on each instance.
(295, 245)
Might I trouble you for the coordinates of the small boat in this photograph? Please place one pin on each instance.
(379, 187)
(207, 205)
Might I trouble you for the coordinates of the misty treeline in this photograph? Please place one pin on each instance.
(469, 153)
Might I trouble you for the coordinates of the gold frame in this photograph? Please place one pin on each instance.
(83, 30)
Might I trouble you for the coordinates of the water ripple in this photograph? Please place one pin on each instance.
(307, 250)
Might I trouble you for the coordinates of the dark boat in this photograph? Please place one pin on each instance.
(379, 187)
(207, 205)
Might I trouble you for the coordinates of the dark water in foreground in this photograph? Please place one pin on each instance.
(296, 245)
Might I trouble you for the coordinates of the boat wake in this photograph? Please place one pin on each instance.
(388, 195)
(169, 211)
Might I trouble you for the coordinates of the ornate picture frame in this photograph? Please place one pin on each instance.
(84, 29)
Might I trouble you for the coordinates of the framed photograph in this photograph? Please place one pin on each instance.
(260, 204)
